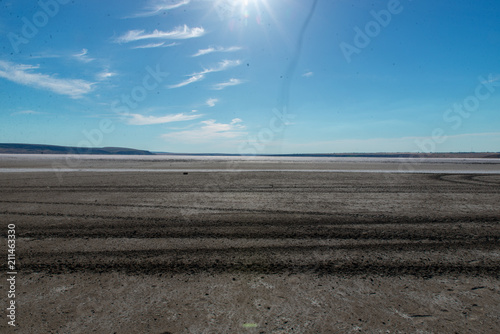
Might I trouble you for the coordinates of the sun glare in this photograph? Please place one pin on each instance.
(241, 11)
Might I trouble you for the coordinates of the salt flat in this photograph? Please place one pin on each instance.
(286, 252)
(175, 163)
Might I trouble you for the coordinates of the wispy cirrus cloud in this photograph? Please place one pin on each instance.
(43, 55)
(491, 78)
(186, 82)
(154, 45)
(157, 7)
(209, 130)
(181, 32)
(221, 66)
(83, 56)
(211, 102)
(308, 74)
(23, 74)
(212, 49)
(22, 67)
(231, 82)
(27, 112)
(138, 119)
(104, 75)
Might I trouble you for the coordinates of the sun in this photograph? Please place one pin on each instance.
(238, 7)
(244, 2)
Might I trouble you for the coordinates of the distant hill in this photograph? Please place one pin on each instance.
(53, 149)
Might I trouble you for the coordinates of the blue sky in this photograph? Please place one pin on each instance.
(227, 76)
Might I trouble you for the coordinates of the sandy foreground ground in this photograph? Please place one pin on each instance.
(263, 251)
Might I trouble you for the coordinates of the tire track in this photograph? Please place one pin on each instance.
(469, 179)
(328, 268)
(221, 251)
(417, 238)
(297, 218)
(258, 232)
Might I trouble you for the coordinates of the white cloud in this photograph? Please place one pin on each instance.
(43, 56)
(231, 82)
(138, 119)
(221, 66)
(202, 52)
(24, 67)
(308, 74)
(23, 75)
(105, 75)
(160, 6)
(181, 32)
(491, 79)
(211, 49)
(209, 130)
(27, 112)
(211, 102)
(155, 45)
(83, 56)
(186, 82)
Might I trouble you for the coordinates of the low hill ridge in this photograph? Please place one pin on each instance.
(54, 149)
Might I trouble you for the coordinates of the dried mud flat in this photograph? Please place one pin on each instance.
(254, 252)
